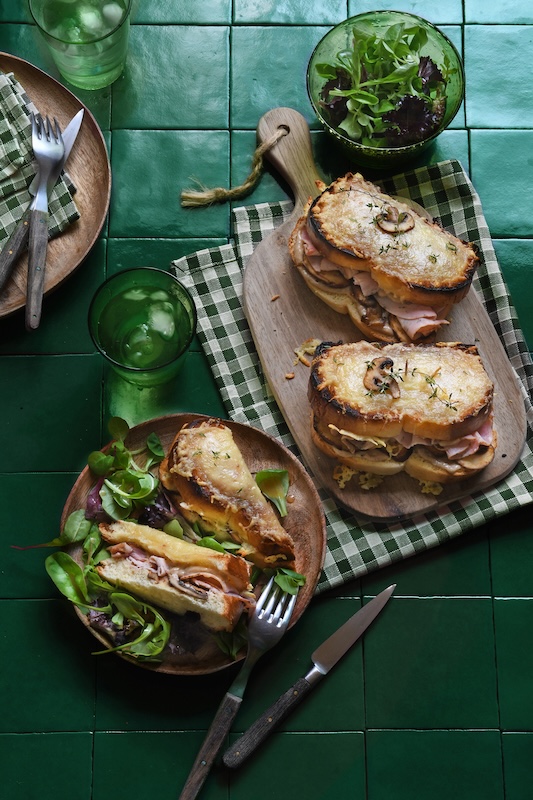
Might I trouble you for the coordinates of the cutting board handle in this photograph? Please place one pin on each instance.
(292, 155)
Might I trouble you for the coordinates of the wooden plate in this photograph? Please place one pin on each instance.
(279, 326)
(304, 522)
(88, 166)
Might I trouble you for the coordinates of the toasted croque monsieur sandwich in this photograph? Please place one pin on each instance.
(366, 254)
(210, 483)
(176, 575)
(423, 409)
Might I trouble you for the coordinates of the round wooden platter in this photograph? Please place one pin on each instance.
(88, 166)
(283, 313)
(194, 651)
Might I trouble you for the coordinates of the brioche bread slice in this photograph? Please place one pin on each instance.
(214, 487)
(422, 409)
(183, 577)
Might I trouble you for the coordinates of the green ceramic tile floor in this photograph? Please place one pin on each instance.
(437, 702)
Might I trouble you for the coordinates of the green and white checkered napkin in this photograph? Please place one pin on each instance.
(215, 279)
(17, 166)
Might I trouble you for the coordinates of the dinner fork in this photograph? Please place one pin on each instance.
(266, 627)
(49, 150)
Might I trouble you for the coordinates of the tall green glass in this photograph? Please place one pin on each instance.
(143, 320)
(88, 39)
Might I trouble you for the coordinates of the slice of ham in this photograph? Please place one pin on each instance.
(200, 579)
(470, 444)
(416, 320)
(456, 449)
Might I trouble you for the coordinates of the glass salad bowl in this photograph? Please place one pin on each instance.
(385, 84)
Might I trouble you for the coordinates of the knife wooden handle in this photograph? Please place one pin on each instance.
(38, 245)
(14, 247)
(213, 741)
(265, 724)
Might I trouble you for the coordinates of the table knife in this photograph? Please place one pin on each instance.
(18, 240)
(324, 658)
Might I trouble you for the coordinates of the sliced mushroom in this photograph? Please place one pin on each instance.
(392, 220)
(379, 377)
(479, 460)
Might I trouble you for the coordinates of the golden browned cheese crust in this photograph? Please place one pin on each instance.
(444, 390)
(214, 486)
(421, 264)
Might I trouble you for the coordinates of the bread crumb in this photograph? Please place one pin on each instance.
(367, 480)
(430, 487)
(289, 376)
(342, 474)
(306, 348)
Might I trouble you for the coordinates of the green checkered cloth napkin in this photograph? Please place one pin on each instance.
(17, 167)
(214, 276)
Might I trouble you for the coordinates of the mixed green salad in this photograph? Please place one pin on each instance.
(125, 490)
(382, 92)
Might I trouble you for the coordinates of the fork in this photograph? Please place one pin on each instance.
(269, 622)
(49, 151)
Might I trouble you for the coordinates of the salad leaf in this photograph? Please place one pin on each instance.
(274, 483)
(232, 642)
(383, 91)
(127, 487)
(118, 428)
(69, 577)
(289, 580)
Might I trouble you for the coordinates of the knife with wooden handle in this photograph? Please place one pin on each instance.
(324, 658)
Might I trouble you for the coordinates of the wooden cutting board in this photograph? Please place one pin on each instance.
(281, 325)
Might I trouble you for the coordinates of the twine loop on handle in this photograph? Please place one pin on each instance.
(195, 199)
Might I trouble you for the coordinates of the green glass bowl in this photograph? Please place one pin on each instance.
(438, 48)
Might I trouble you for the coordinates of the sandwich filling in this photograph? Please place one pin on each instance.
(176, 575)
(451, 455)
(192, 580)
(416, 320)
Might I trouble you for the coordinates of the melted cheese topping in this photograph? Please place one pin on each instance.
(427, 254)
(445, 383)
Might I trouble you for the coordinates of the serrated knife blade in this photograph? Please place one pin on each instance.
(324, 659)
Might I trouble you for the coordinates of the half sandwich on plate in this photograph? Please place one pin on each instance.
(396, 273)
(426, 410)
(210, 483)
(176, 575)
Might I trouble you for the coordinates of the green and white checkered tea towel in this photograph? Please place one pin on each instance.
(17, 167)
(214, 276)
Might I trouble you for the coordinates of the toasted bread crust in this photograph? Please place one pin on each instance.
(437, 394)
(220, 493)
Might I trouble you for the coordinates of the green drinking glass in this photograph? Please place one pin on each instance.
(88, 39)
(142, 321)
